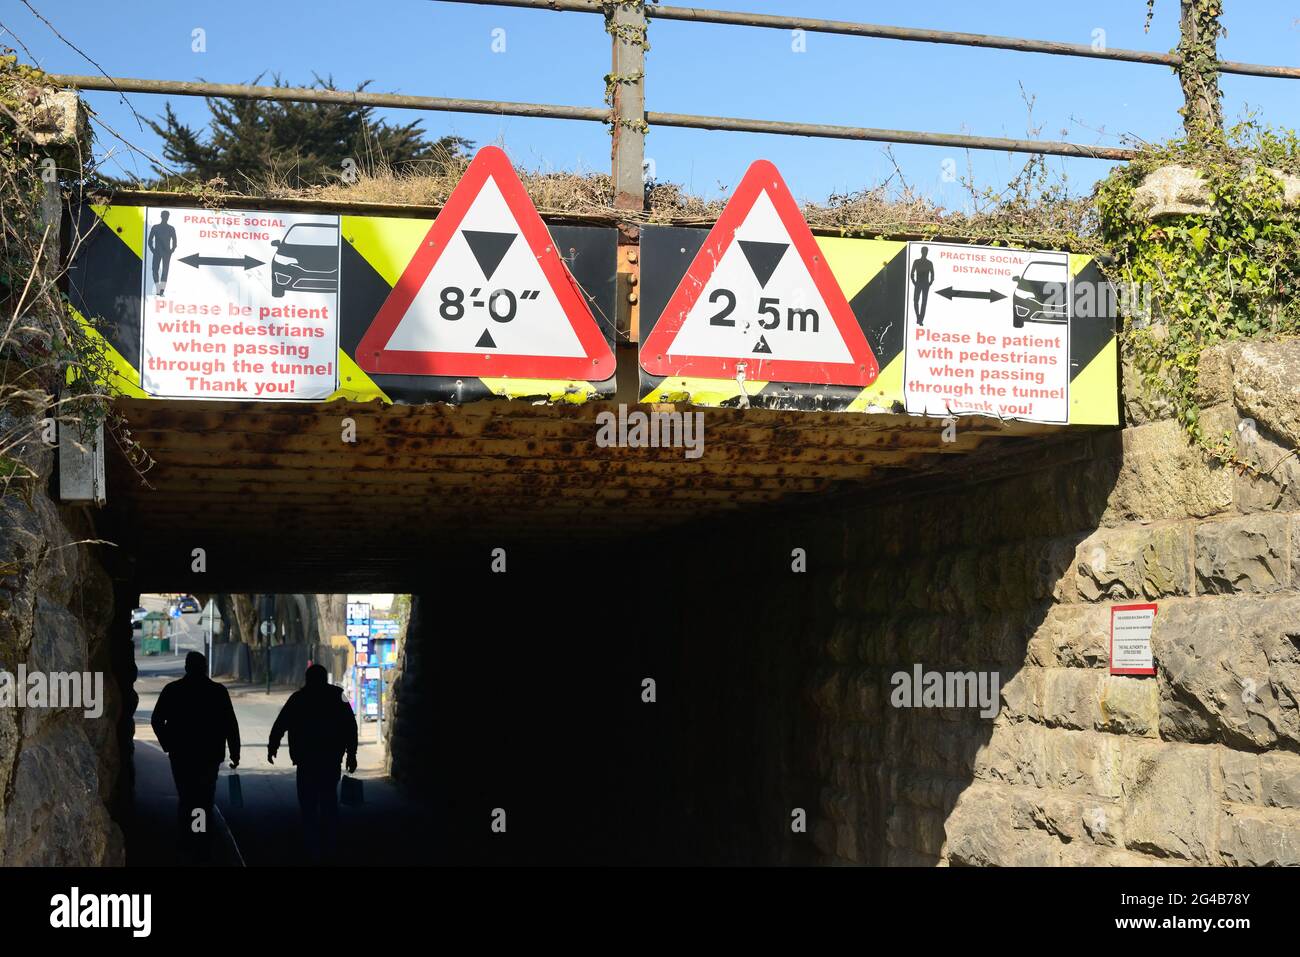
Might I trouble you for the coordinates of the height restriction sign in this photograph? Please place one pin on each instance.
(487, 293)
(759, 301)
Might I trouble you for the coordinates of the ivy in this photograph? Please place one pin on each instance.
(52, 369)
(635, 35)
(1229, 273)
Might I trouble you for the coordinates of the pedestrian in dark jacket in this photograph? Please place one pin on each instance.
(322, 729)
(194, 721)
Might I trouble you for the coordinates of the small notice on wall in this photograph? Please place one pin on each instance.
(239, 304)
(1130, 639)
(988, 332)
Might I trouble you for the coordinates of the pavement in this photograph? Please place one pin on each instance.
(389, 828)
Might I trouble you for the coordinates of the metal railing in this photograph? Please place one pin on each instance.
(628, 118)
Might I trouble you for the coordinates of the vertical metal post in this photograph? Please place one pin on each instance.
(1198, 74)
(627, 27)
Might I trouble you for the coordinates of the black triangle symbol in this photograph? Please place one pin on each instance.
(485, 341)
(763, 257)
(763, 346)
(488, 248)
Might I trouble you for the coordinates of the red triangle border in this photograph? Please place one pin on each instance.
(372, 354)
(657, 360)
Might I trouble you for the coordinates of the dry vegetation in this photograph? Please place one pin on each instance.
(1033, 210)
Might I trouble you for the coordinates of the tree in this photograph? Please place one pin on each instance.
(252, 143)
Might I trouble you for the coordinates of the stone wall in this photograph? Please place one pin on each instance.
(772, 738)
(787, 677)
(59, 771)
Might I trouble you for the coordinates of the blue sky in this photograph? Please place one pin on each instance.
(445, 49)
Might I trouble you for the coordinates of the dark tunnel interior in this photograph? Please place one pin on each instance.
(622, 703)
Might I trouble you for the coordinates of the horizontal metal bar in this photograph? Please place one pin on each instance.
(598, 114)
(955, 140)
(298, 94)
(880, 31)
(147, 197)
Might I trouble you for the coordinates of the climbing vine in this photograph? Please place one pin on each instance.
(52, 368)
(635, 35)
(1198, 73)
(1226, 268)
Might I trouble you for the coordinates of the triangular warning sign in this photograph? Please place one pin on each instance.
(487, 294)
(760, 294)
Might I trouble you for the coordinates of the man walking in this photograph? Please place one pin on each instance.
(194, 721)
(322, 728)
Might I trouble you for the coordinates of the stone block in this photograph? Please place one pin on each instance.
(1132, 563)
(1070, 698)
(1071, 636)
(1239, 772)
(1266, 387)
(1279, 778)
(1214, 374)
(1014, 755)
(1259, 837)
(1242, 555)
(54, 815)
(55, 118)
(1172, 191)
(1214, 677)
(1170, 809)
(1275, 485)
(1084, 762)
(1162, 475)
(1023, 694)
(1128, 705)
(993, 826)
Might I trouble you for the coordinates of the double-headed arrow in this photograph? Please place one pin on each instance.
(992, 295)
(195, 260)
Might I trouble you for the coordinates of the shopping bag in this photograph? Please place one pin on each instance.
(351, 793)
(236, 790)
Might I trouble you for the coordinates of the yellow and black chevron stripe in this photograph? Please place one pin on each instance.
(873, 275)
(376, 251)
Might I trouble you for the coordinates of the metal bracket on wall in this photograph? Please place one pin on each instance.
(628, 297)
(81, 465)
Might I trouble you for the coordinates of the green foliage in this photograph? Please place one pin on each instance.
(253, 143)
(1230, 273)
(1198, 74)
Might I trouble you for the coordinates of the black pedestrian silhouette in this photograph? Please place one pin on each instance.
(322, 728)
(162, 243)
(194, 720)
(922, 280)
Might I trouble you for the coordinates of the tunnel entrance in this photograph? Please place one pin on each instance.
(610, 656)
(256, 819)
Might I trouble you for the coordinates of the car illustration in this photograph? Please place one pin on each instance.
(306, 259)
(1041, 294)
